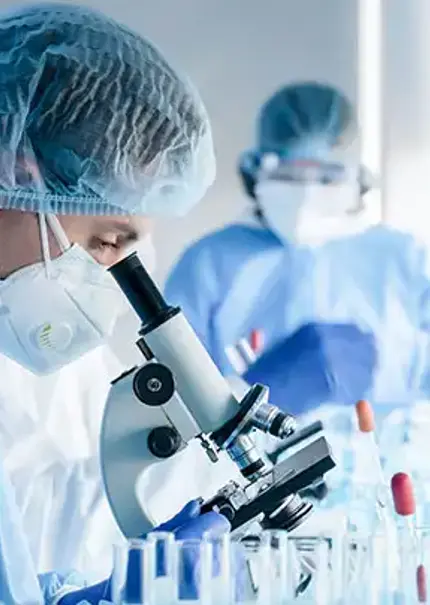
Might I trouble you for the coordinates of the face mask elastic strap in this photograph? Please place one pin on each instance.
(58, 231)
(59, 234)
(44, 241)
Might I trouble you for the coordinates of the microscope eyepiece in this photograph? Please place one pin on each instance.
(139, 288)
(142, 292)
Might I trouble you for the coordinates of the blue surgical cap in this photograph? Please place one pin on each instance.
(93, 120)
(304, 120)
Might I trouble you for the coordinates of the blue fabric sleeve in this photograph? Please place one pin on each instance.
(91, 595)
(55, 585)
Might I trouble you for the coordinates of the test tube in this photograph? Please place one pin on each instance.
(128, 573)
(250, 568)
(223, 550)
(423, 566)
(348, 566)
(369, 468)
(421, 584)
(160, 569)
(313, 571)
(366, 425)
(247, 353)
(281, 568)
(266, 569)
(361, 512)
(321, 587)
(244, 353)
(381, 576)
(194, 573)
(404, 504)
(236, 359)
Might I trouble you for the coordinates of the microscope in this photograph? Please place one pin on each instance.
(177, 395)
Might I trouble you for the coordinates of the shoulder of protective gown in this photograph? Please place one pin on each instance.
(207, 270)
(393, 244)
(231, 245)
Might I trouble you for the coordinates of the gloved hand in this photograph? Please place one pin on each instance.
(319, 363)
(188, 524)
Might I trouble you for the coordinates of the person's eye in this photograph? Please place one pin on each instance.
(110, 245)
(106, 252)
(104, 244)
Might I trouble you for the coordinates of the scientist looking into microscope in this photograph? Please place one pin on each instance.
(99, 134)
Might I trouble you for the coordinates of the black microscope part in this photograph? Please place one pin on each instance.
(252, 468)
(143, 347)
(278, 498)
(142, 293)
(290, 516)
(164, 441)
(276, 424)
(153, 384)
(317, 492)
(223, 433)
(295, 438)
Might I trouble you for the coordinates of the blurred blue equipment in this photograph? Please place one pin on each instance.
(337, 360)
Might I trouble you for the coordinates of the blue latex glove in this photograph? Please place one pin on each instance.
(319, 363)
(188, 524)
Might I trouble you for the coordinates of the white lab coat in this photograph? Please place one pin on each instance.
(49, 435)
(49, 440)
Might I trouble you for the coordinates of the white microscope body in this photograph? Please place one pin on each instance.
(178, 395)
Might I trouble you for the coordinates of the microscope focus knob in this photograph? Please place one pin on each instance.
(163, 441)
(154, 384)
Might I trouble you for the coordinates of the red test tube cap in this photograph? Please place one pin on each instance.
(256, 341)
(403, 494)
(365, 417)
(421, 584)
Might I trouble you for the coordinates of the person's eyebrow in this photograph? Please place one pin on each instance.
(128, 232)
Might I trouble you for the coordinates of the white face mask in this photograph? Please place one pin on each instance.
(312, 214)
(54, 312)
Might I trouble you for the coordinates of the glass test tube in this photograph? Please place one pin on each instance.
(128, 573)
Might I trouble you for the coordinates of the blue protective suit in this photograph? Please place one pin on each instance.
(242, 278)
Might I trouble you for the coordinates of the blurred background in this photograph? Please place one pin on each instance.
(238, 52)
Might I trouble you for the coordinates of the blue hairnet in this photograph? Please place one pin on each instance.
(303, 120)
(93, 120)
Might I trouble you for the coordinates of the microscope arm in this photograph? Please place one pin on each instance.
(130, 430)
